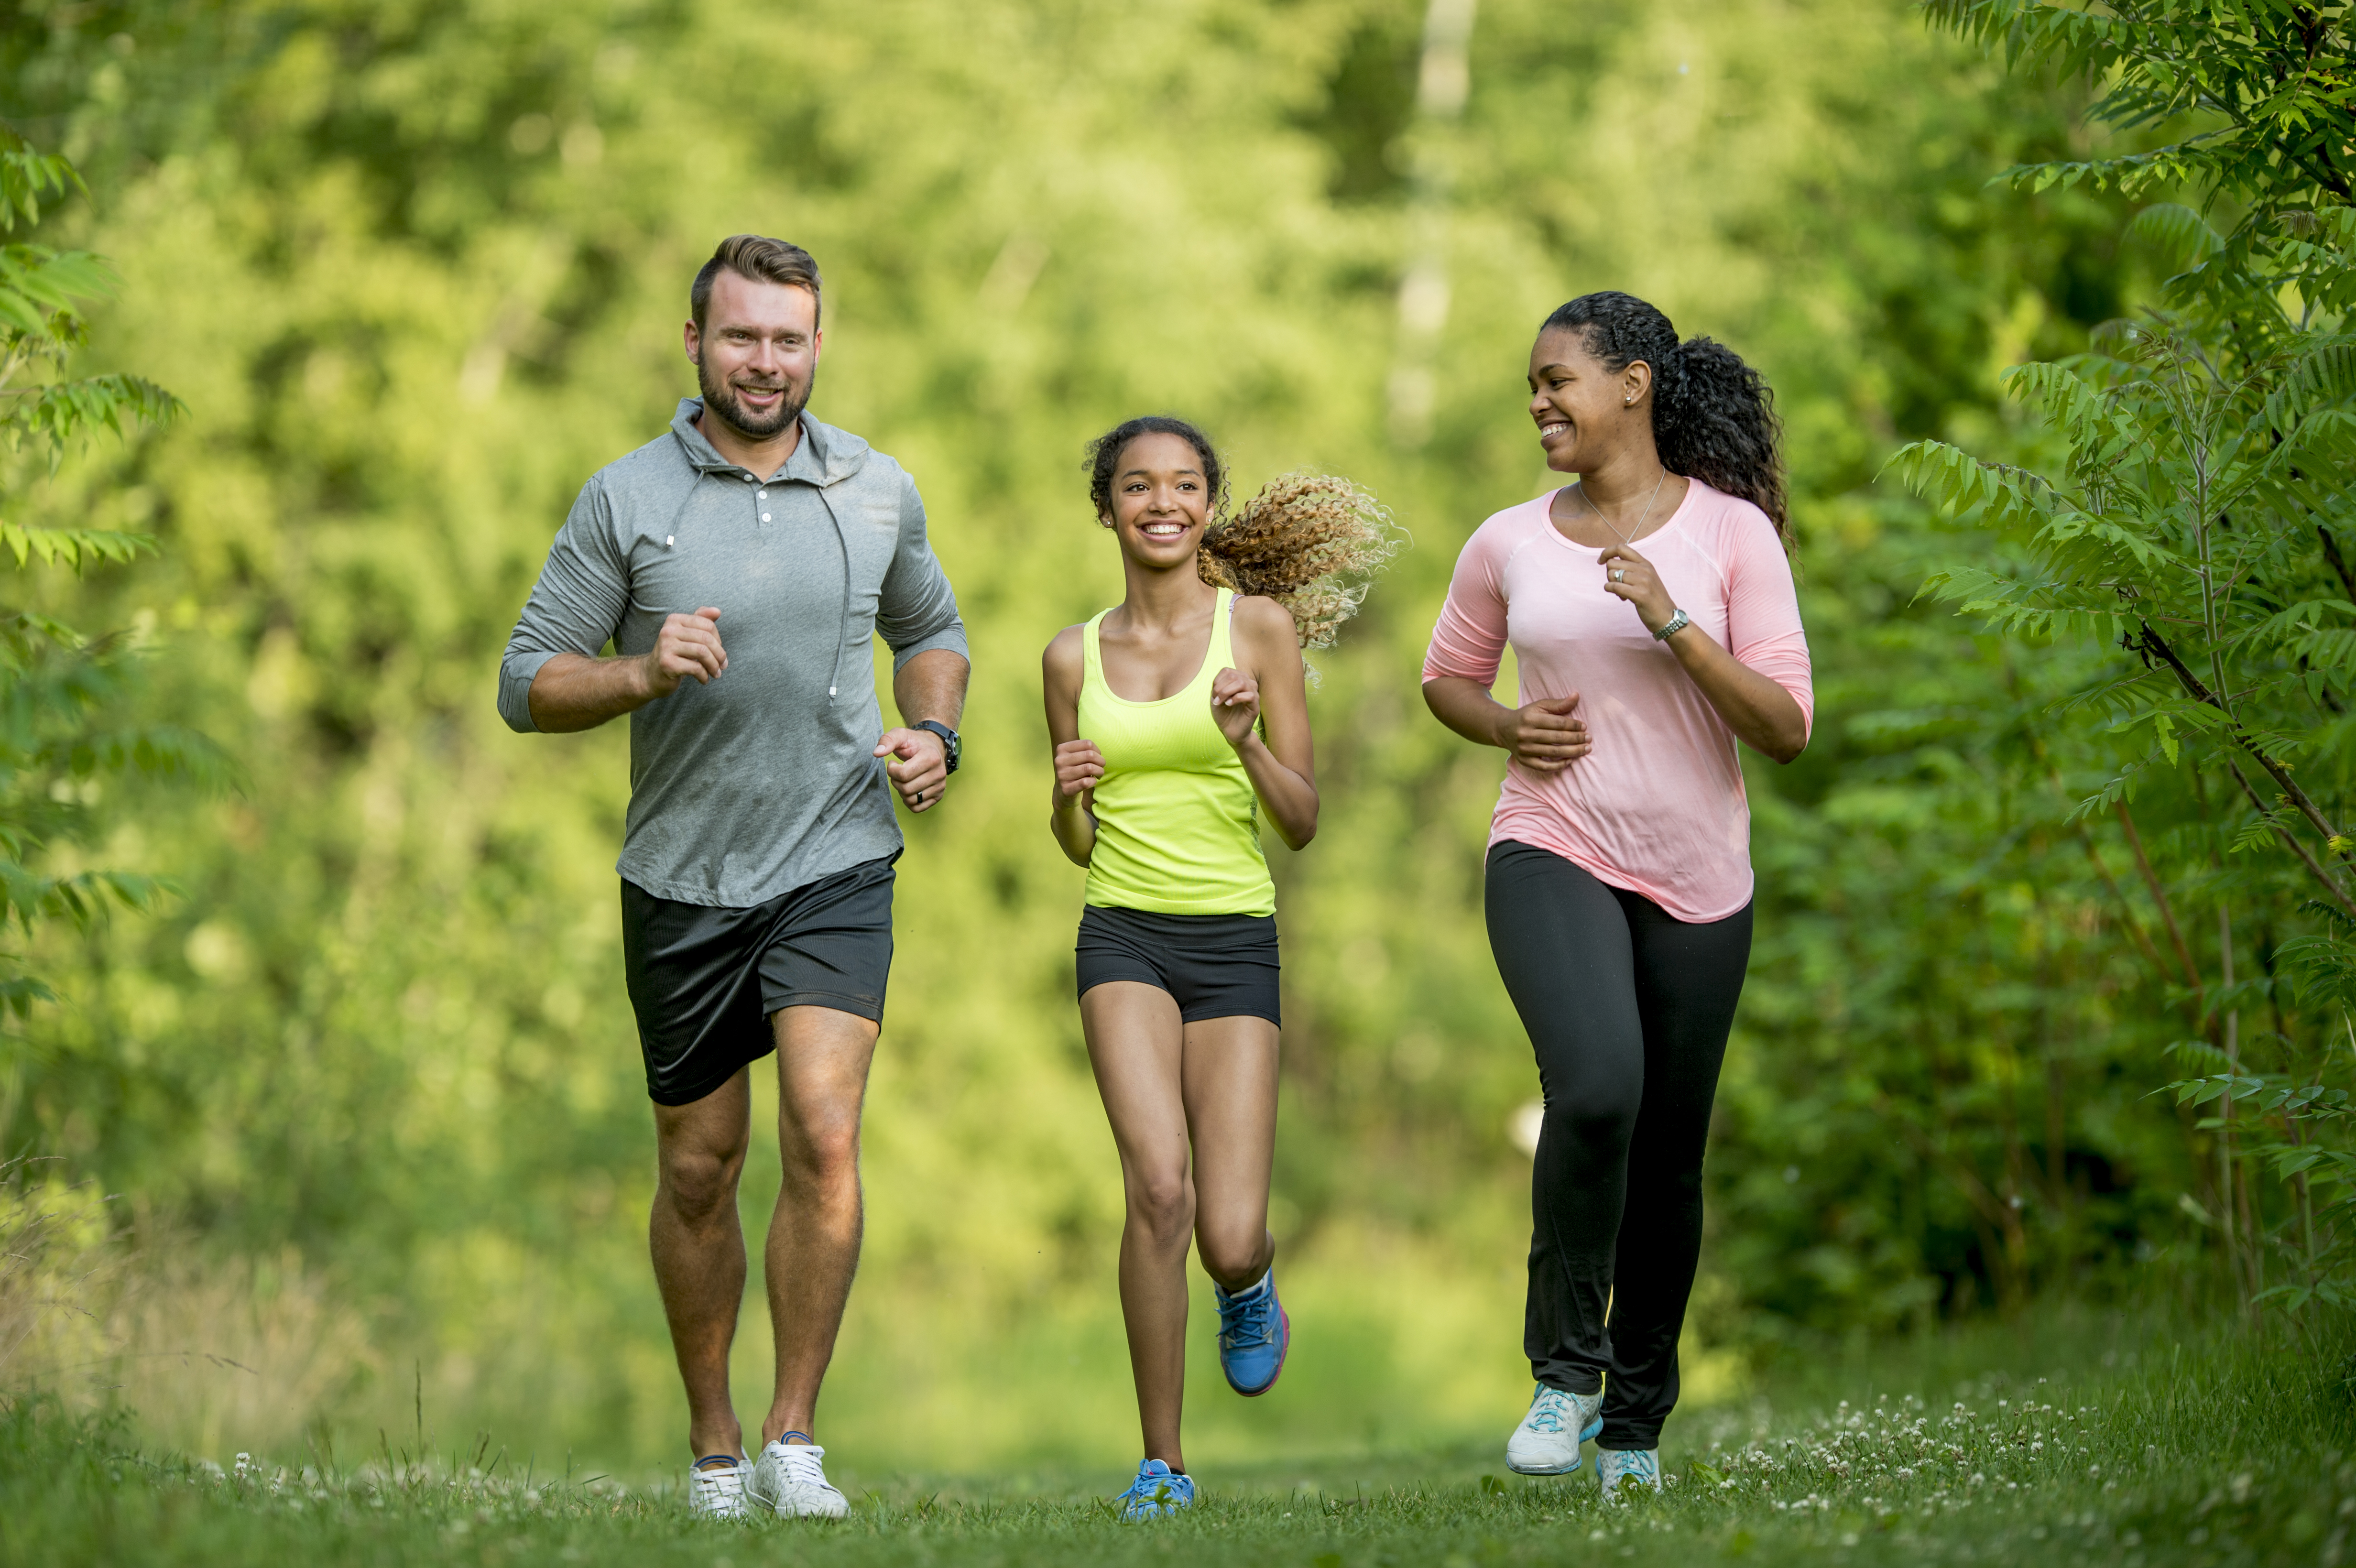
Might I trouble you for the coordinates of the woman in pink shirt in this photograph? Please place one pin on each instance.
(1652, 616)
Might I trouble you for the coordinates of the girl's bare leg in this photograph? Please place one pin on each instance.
(1137, 1045)
(1229, 1076)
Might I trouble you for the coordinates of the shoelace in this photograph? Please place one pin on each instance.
(804, 1462)
(1158, 1490)
(1248, 1323)
(1547, 1410)
(718, 1483)
(1639, 1466)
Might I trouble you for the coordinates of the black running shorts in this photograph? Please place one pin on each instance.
(1213, 966)
(704, 981)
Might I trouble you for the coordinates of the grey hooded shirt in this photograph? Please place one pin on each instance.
(764, 780)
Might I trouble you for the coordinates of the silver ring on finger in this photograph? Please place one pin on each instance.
(1618, 575)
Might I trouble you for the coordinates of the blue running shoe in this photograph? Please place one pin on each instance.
(1157, 1491)
(1254, 1334)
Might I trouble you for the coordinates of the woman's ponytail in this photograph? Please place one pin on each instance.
(1713, 416)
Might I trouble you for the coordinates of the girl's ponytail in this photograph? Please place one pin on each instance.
(1713, 416)
(1312, 542)
(1309, 541)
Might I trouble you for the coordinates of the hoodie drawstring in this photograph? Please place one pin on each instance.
(842, 626)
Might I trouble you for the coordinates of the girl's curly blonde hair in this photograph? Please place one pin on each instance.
(1313, 542)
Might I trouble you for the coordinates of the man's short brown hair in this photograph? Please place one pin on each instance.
(761, 260)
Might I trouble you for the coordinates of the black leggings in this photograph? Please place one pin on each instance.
(1629, 1009)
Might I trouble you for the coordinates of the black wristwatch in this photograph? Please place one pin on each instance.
(949, 738)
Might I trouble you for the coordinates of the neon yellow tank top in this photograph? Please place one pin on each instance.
(1177, 822)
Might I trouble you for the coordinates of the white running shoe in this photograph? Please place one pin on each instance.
(1547, 1442)
(1629, 1468)
(791, 1479)
(715, 1486)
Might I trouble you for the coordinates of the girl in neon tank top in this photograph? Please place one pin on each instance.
(1178, 718)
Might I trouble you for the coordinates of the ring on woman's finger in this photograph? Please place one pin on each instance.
(1618, 575)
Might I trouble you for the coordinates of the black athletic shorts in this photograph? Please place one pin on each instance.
(704, 981)
(1213, 966)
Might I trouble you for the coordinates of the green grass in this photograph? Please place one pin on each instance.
(2003, 1446)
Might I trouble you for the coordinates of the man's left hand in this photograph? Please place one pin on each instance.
(919, 766)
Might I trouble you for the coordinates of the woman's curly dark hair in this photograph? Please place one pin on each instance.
(1313, 542)
(1713, 416)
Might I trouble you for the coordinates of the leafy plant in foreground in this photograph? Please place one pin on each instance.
(2199, 524)
(2252, 96)
(56, 681)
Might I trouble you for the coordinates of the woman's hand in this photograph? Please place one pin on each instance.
(1078, 766)
(1545, 736)
(1235, 705)
(1760, 712)
(1627, 575)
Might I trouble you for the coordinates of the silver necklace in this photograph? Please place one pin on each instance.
(1628, 539)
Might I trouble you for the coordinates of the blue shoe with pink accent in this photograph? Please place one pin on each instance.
(1254, 1334)
(1158, 1490)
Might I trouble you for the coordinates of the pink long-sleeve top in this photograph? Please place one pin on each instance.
(1657, 808)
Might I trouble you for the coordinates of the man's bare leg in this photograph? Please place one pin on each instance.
(699, 1250)
(822, 1061)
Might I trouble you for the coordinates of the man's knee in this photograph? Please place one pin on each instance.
(699, 1181)
(823, 1151)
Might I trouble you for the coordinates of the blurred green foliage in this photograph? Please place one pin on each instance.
(58, 752)
(418, 269)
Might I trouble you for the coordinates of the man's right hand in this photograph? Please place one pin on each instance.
(1544, 736)
(687, 645)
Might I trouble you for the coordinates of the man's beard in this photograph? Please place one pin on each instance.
(719, 399)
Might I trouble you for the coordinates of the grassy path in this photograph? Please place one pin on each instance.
(2236, 1456)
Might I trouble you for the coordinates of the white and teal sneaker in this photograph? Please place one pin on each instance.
(789, 1479)
(1547, 1442)
(715, 1486)
(1621, 1470)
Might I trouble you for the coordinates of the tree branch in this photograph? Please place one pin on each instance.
(2167, 909)
(2338, 562)
(2290, 839)
(2127, 909)
(2155, 644)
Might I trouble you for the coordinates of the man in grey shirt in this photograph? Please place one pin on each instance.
(757, 864)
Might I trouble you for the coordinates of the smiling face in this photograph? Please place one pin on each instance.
(756, 354)
(1584, 412)
(1160, 500)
